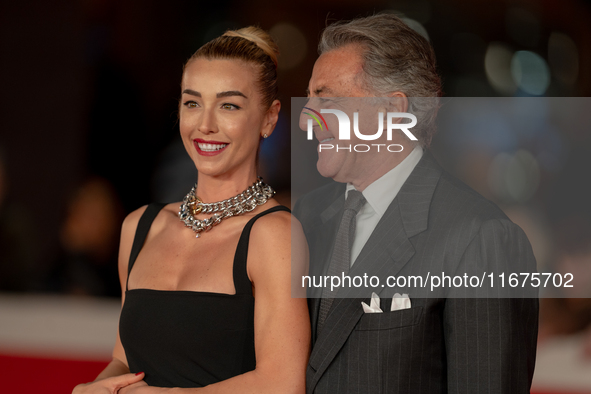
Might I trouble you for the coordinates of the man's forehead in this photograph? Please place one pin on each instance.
(337, 72)
(322, 90)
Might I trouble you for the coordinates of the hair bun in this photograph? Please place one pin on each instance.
(260, 37)
(251, 45)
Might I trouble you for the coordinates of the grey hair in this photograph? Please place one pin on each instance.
(395, 58)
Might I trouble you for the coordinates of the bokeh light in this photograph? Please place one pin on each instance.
(292, 45)
(530, 72)
(563, 58)
(514, 178)
(497, 64)
(416, 26)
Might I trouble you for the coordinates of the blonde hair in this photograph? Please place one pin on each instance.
(252, 45)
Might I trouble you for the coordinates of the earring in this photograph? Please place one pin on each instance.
(265, 135)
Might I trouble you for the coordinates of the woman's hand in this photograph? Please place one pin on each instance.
(133, 388)
(110, 385)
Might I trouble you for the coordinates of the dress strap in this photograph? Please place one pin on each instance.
(241, 281)
(143, 227)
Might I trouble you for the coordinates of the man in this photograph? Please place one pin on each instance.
(410, 216)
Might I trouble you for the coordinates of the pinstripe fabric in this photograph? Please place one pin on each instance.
(439, 345)
(341, 257)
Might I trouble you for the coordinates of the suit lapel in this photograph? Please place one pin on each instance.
(386, 252)
(388, 248)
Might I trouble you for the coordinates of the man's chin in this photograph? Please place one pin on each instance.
(335, 165)
(325, 169)
(329, 169)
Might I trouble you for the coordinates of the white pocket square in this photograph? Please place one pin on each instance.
(374, 304)
(398, 302)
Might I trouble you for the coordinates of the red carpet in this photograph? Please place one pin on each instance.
(28, 375)
(559, 392)
(32, 375)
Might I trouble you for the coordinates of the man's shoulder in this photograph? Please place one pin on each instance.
(430, 188)
(454, 195)
(461, 212)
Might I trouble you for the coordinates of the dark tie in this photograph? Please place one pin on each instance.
(341, 255)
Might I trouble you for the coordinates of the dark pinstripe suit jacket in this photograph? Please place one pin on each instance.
(439, 345)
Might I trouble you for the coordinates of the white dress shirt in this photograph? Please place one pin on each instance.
(379, 196)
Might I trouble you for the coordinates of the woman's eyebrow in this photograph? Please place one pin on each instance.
(230, 93)
(192, 92)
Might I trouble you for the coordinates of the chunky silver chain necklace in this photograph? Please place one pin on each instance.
(257, 194)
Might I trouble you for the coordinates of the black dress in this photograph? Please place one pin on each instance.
(189, 338)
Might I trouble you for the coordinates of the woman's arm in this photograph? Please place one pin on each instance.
(116, 374)
(281, 323)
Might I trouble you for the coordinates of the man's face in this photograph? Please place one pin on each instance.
(337, 73)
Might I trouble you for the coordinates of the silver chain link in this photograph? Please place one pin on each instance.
(257, 194)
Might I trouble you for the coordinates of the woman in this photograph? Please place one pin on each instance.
(211, 311)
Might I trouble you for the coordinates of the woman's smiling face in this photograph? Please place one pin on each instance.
(221, 116)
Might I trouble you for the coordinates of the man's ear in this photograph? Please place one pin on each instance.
(271, 118)
(398, 101)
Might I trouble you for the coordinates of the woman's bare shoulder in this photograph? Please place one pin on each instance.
(131, 221)
(272, 239)
(130, 225)
(127, 234)
(279, 225)
(273, 221)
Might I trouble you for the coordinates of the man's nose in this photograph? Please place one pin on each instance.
(310, 113)
(304, 117)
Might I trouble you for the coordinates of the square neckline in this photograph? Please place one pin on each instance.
(240, 255)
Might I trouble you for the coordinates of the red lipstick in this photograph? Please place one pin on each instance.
(209, 148)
